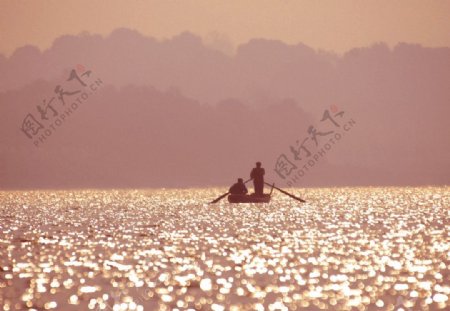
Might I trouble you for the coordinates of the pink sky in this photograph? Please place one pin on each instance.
(330, 25)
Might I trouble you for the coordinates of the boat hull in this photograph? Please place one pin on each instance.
(252, 198)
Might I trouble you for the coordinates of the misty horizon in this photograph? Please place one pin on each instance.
(198, 117)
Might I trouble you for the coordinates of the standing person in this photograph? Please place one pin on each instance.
(257, 175)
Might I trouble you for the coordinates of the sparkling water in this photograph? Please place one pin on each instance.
(345, 249)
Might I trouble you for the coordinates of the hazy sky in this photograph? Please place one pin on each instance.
(330, 25)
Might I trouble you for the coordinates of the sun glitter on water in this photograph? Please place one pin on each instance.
(346, 248)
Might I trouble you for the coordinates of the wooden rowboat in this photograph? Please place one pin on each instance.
(251, 198)
(246, 198)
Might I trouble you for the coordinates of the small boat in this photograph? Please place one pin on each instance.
(253, 198)
(249, 198)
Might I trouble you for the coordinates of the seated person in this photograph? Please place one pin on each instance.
(239, 187)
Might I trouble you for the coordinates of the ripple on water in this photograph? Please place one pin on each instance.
(376, 248)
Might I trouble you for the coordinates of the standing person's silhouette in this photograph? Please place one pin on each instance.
(257, 175)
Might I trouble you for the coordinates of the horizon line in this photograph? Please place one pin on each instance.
(85, 33)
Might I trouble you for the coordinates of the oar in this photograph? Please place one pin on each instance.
(224, 195)
(287, 193)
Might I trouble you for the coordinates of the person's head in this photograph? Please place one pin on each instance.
(258, 164)
(240, 180)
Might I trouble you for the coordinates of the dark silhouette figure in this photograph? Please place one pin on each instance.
(257, 175)
(239, 187)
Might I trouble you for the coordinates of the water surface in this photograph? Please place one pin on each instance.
(345, 249)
